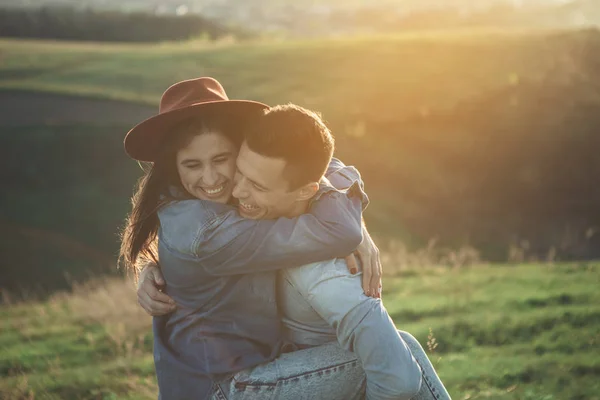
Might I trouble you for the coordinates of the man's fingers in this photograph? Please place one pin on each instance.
(153, 301)
(157, 276)
(149, 287)
(155, 308)
(351, 264)
(159, 296)
(144, 304)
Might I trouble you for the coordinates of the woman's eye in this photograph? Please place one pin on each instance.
(220, 160)
(258, 188)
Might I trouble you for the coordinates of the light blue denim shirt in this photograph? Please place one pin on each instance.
(220, 270)
(322, 302)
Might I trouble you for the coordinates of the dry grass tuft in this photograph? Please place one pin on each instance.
(396, 257)
(111, 303)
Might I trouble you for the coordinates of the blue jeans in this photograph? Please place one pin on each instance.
(322, 372)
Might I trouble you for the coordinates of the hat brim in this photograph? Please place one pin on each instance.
(143, 141)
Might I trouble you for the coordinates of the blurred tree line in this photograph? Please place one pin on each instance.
(74, 24)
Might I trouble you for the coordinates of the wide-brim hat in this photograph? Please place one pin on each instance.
(186, 99)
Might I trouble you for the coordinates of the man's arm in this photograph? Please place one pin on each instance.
(362, 325)
(345, 178)
(233, 245)
(225, 243)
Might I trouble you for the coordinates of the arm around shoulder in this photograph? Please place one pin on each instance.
(230, 244)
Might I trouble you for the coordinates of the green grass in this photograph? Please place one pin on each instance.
(505, 332)
(502, 332)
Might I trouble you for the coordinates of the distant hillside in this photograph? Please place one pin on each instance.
(336, 17)
(107, 26)
(487, 139)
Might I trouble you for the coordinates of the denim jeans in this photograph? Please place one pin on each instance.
(327, 372)
(322, 372)
(432, 387)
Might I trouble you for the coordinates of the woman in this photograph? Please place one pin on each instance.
(224, 322)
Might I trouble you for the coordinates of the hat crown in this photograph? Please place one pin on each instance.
(191, 91)
(192, 98)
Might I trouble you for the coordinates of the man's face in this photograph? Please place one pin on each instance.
(206, 167)
(261, 188)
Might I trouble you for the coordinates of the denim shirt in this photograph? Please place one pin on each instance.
(220, 270)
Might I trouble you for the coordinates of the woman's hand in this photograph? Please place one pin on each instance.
(368, 255)
(149, 293)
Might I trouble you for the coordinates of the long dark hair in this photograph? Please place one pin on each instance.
(139, 236)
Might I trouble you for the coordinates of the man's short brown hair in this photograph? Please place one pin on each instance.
(296, 135)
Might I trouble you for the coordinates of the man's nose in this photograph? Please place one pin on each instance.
(239, 189)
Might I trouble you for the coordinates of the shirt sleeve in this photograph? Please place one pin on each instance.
(343, 177)
(362, 326)
(337, 168)
(230, 244)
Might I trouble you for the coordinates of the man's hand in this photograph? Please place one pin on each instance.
(368, 254)
(149, 293)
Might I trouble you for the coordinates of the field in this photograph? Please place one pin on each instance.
(482, 142)
(420, 73)
(425, 105)
(493, 332)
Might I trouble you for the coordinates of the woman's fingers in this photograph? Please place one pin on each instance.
(367, 268)
(371, 269)
(375, 283)
(376, 277)
(351, 264)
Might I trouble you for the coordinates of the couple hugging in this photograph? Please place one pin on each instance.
(246, 230)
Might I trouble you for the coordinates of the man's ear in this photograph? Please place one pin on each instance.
(307, 191)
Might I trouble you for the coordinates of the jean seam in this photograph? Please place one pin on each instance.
(292, 377)
(426, 379)
(219, 392)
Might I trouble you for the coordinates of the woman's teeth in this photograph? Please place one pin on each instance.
(214, 191)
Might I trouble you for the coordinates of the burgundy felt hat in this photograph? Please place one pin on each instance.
(185, 99)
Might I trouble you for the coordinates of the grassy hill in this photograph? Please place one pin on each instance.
(483, 137)
(493, 332)
(380, 77)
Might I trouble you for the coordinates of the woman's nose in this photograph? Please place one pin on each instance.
(210, 176)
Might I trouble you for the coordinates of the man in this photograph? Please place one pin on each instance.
(280, 165)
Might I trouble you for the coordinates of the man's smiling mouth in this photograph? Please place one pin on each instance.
(247, 207)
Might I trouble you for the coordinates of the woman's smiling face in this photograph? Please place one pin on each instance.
(206, 167)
